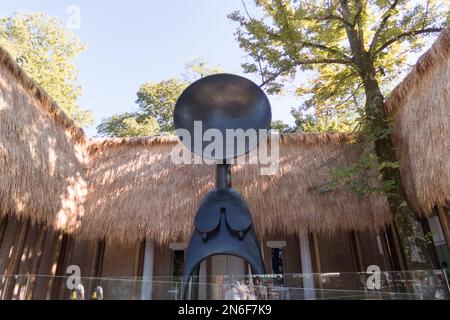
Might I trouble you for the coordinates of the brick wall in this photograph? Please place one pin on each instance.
(118, 262)
(162, 269)
(6, 250)
(335, 252)
(7, 245)
(371, 253)
(44, 269)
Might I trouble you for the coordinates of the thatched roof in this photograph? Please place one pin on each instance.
(136, 191)
(420, 106)
(41, 153)
(129, 188)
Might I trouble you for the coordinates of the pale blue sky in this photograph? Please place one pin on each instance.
(130, 42)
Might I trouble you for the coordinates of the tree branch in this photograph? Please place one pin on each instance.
(383, 23)
(329, 14)
(305, 62)
(261, 71)
(407, 34)
(325, 48)
(322, 61)
(272, 78)
(329, 17)
(350, 96)
(310, 44)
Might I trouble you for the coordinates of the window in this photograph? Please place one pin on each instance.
(277, 260)
(277, 265)
(439, 240)
(177, 263)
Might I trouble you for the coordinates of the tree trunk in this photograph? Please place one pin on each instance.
(405, 219)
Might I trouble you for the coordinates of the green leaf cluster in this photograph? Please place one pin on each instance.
(42, 46)
(156, 102)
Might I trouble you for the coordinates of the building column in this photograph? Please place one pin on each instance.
(395, 244)
(355, 247)
(444, 220)
(64, 261)
(36, 260)
(202, 275)
(138, 269)
(307, 266)
(96, 267)
(3, 226)
(56, 252)
(147, 284)
(430, 244)
(315, 249)
(14, 262)
(316, 252)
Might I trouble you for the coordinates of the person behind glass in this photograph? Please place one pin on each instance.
(260, 290)
(97, 294)
(250, 290)
(78, 293)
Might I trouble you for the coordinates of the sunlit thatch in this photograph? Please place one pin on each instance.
(136, 191)
(421, 129)
(41, 153)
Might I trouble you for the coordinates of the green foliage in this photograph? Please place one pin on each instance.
(280, 126)
(352, 51)
(362, 177)
(335, 41)
(199, 68)
(156, 102)
(157, 99)
(323, 123)
(46, 51)
(128, 125)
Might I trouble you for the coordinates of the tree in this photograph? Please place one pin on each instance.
(280, 126)
(305, 122)
(46, 51)
(128, 125)
(157, 100)
(199, 68)
(354, 48)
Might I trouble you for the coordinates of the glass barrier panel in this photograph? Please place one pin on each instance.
(407, 285)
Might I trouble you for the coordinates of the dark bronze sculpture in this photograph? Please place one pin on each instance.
(223, 223)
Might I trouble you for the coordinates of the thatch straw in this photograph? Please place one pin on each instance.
(136, 191)
(420, 106)
(41, 154)
(45, 101)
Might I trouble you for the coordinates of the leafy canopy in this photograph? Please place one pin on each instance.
(128, 125)
(320, 37)
(156, 101)
(47, 51)
(281, 127)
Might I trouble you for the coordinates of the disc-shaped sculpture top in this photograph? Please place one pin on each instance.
(235, 108)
